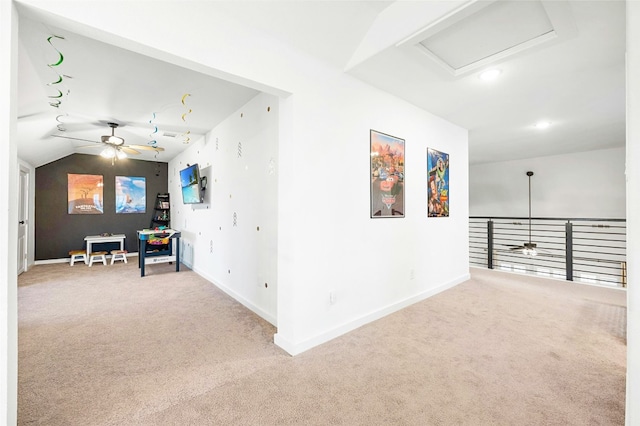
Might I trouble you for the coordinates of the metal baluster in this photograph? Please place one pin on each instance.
(490, 244)
(569, 250)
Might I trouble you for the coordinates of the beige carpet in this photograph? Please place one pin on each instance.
(102, 346)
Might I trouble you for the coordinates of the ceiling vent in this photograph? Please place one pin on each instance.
(486, 32)
(169, 135)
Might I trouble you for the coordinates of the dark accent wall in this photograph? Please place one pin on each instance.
(57, 232)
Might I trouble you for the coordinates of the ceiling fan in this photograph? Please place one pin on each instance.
(528, 248)
(113, 146)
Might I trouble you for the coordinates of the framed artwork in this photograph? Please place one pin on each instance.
(387, 175)
(84, 194)
(131, 194)
(438, 183)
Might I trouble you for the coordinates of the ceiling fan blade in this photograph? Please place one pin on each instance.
(32, 115)
(75, 139)
(75, 127)
(129, 150)
(148, 147)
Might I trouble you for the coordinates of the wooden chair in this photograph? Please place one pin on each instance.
(77, 255)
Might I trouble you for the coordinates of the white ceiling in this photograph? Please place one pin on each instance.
(574, 79)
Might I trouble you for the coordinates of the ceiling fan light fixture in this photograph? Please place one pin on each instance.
(113, 140)
(121, 154)
(116, 140)
(108, 152)
(529, 250)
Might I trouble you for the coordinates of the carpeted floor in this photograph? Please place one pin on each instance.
(102, 346)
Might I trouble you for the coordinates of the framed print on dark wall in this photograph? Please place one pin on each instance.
(131, 194)
(387, 175)
(84, 194)
(437, 183)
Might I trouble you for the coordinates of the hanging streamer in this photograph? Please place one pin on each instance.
(188, 132)
(60, 126)
(60, 55)
(153, 141)
(57, 99)
(59, 80)
(183, 103)
(56, 102)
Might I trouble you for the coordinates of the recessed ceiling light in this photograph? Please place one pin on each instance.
(542, 124)
(490, 75)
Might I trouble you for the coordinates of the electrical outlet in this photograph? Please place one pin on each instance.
(332, 297)
(412, 274)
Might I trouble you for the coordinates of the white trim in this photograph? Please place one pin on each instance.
(68, 259)
(514, 50)
(238, 297)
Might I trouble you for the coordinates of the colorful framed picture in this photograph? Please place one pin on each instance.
(387, 175)
(84, 194)
(437, 184)
(131, 194)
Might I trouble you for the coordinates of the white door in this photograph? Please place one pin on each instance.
(23, 212)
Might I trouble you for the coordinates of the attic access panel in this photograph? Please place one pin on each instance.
(493, 32)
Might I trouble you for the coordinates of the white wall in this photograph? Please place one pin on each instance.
(239, 159)
(327, 240)
(586, 185)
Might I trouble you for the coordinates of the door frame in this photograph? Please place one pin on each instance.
(24, 179)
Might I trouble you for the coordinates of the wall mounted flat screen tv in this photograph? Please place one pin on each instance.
(192, 192)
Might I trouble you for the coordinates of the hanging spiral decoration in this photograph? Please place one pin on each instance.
(186, 136)
(56, 99)
(60, 124)
(153, 142)
(188, 111)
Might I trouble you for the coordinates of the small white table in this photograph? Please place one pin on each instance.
(94, 239)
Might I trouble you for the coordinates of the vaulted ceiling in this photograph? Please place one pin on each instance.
(559, 61)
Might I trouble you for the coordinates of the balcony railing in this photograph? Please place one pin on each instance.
(590, 251)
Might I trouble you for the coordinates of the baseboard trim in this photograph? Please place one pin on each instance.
(50, 261)
(295, 348)
(245, 302)
(68, 259)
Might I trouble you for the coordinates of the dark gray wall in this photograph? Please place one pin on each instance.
(57, 232)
